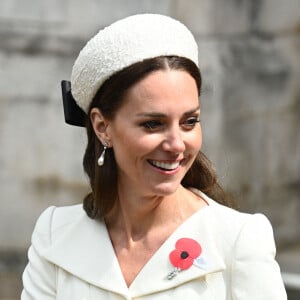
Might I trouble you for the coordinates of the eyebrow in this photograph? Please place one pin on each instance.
(161, 115)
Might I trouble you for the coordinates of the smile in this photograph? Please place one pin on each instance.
(165, 165)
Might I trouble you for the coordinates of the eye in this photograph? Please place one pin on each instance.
(190, 123)
(152, 124)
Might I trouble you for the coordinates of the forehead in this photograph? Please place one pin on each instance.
(162, 89)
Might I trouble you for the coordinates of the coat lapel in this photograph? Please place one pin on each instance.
(83, 248)
(153, 277)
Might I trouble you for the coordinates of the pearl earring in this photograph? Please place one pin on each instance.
(102, 156)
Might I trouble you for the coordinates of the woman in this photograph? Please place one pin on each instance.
(149, 229)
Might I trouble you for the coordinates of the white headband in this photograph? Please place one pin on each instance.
(124, 43)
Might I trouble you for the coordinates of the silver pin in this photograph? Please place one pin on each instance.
(173, 273)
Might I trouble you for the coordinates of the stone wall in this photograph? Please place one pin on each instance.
(249, 53)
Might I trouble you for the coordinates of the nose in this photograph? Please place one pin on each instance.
(173, 141)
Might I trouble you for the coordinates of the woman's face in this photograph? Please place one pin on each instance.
(156, 133)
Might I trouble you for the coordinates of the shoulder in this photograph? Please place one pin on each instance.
(237, 219)
(54, 219)
(226, 216)
(231, 227)
(246, 244)
(59, 216)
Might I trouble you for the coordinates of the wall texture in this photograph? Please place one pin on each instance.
(249, 55)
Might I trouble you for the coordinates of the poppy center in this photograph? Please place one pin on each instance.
(184, 255)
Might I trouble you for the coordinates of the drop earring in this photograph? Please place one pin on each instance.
(102, 156)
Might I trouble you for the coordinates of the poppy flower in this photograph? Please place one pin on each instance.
(185, 252)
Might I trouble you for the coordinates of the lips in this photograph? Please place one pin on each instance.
(163, 165)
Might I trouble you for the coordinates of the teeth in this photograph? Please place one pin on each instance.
(164, 165)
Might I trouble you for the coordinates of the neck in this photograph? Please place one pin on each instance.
(136, 217)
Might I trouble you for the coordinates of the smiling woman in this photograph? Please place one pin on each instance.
(133, 83)
(152, 189)
(153, 161)
(163, 129)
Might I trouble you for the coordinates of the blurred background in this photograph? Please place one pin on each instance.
(249, 52)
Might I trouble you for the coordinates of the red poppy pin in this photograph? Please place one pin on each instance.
(186, 253)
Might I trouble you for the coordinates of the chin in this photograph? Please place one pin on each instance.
(166, 189)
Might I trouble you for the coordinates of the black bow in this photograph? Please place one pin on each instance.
(74, 115)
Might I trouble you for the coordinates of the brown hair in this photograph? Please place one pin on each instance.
(103, 180)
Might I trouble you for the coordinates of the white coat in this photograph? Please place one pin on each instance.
(72, 258)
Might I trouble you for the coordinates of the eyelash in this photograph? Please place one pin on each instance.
(151, 125)
(188, 124)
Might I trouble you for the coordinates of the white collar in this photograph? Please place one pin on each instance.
(83, 248)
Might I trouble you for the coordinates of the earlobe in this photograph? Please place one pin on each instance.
(99, 124)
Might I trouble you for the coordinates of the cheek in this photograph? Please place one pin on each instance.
(127, 145)
(195, 141)
(200, 140)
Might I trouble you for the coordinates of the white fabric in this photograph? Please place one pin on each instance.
(123, 43)
(72, 257)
